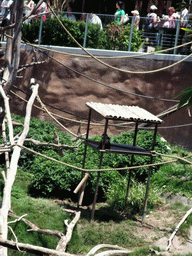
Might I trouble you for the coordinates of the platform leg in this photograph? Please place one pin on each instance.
(149, 174)
(96, 189)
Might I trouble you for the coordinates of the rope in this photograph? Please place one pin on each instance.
(43, 107)
(179, 158)
(106, 169)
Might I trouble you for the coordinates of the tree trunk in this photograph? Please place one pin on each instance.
(11, 174)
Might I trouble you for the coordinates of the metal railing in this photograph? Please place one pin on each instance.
(158, 37)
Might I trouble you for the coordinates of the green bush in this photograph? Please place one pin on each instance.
(135, 201)
(51, 179)
(118, 37)
(54, 34)
(113, 37)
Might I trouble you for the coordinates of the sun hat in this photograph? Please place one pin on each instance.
(135, 11)
(153, 7)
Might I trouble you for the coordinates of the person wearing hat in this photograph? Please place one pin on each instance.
(136, 18)
(151, 20)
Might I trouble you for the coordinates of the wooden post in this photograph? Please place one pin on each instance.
(81, 193)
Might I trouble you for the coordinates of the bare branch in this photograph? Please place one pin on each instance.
(117, 250)
(15, 238)
(57, 146)
(36, 228)
(65, 239)
(16, 220)
(37, 250)
(176, 229)
(23, 67)
(6, 205)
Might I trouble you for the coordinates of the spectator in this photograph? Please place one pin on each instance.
(94, 19)
(5, 12)
(69, 14)
(83, 17)
(136, 18)
(172, 17)
(184, 16)
(42, 9)
(28, 7)
(152, 18)
(120, 13)
(165, 20)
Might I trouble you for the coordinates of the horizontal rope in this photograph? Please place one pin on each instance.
(106, 169)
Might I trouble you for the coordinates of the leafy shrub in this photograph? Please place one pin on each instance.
(118, 37)
(135, 201)
(114, 37)
(51, 179)
(54, 34)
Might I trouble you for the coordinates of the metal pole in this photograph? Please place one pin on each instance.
(40, 29)
(177, 34)
(131, 33)
(86, 27)
(149, 174)
(98, 176)
(130, 172)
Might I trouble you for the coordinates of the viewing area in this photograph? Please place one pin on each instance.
(132, 114)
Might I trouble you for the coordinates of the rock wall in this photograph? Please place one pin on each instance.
(65, 88)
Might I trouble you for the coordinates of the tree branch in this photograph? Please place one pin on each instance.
(62, 245)
(117, 250)
(57, 146)
(37, 250)
(176, 229)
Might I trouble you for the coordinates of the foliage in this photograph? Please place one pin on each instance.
(118, 37)
(175, 177)
(54, 34)
(114, 37)
(134, 203)
(51, 179)
(186, 98)
(56, 180)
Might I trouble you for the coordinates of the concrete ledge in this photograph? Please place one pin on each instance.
(111, 53)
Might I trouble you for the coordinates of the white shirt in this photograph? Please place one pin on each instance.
(44, 8)
(71, 17)
(184, 16)
(95, 20)
(29, 4)
(4, 5)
